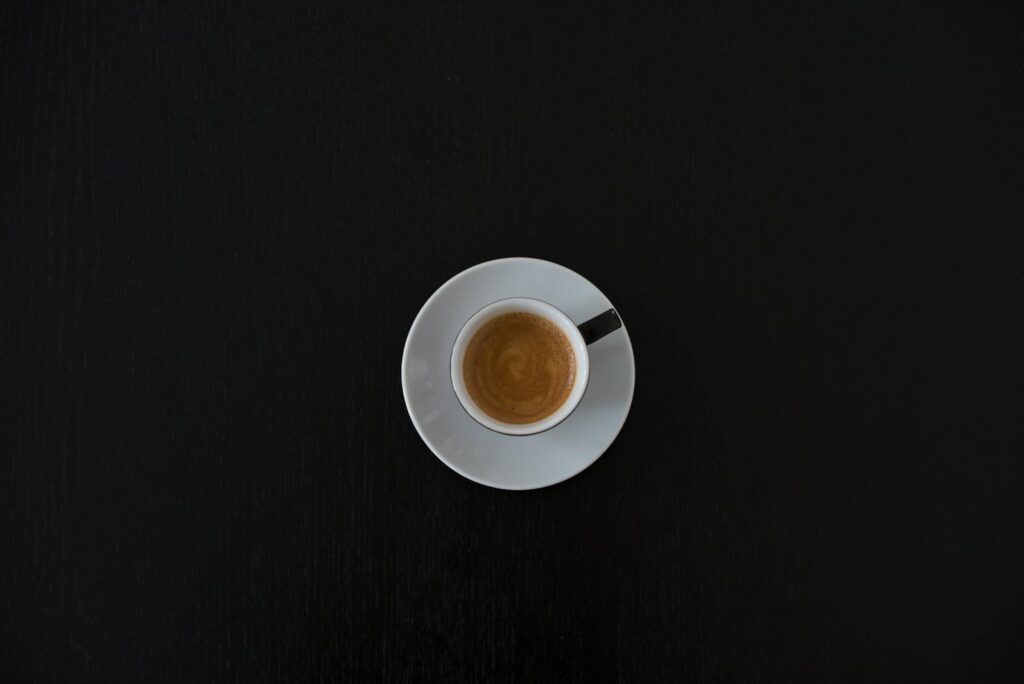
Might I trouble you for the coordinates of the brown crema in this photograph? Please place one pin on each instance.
(519, 368)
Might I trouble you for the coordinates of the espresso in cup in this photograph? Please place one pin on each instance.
(519, 368)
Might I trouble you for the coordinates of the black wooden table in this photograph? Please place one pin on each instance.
(219, 220)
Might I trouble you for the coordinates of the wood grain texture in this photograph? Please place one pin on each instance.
(219, 220)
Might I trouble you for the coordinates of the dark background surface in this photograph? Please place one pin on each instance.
(220, 220)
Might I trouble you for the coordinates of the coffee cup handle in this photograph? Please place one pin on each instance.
(599, 326)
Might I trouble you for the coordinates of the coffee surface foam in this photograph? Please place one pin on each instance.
(519, 368)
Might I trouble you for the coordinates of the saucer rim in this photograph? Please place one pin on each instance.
(416, 422)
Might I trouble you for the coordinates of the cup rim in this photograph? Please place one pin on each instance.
(565, 324)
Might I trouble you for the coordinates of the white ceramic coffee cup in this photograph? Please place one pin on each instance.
(579, 337)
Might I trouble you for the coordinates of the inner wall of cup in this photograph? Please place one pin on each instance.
(539, 308)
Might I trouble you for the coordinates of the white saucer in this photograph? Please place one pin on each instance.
(490, 458)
